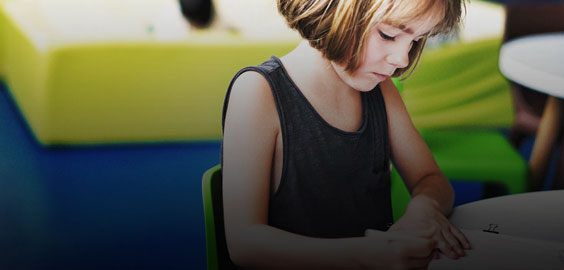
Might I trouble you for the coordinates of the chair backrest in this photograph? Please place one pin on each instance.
(216, 246)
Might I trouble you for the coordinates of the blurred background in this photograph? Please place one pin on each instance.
(110, 113)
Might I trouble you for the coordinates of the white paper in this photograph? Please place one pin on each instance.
(498, 251)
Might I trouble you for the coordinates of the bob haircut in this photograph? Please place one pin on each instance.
(338, 28)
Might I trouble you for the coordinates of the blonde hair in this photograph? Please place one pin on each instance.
(338, 28)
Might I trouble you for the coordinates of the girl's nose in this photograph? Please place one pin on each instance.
(399, 57)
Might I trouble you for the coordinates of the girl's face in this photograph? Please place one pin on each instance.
(386, 49)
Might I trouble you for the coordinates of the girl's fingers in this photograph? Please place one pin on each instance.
(446, 248)
(461, 237)
(455, 245)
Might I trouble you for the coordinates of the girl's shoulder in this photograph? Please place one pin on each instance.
(250, 84)
(255, 82)
(259, 75)
(250, 101)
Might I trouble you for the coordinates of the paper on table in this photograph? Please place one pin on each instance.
(497, 251)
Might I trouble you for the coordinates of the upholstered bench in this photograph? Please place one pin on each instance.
(106, 76)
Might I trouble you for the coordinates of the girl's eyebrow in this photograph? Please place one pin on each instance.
(406, 30)
(409, 31)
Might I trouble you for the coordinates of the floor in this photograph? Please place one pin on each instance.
(110, 207)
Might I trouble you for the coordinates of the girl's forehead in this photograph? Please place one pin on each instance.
(419, 16)
(417, 26)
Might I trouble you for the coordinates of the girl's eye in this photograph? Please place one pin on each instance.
(386, 37)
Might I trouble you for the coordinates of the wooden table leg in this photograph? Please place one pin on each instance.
(544, 142)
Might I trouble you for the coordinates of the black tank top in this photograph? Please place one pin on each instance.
(334, 183)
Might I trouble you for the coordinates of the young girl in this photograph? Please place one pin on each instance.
(308, 140)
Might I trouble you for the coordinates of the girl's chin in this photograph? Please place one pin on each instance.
(367, 88)
(370, 86)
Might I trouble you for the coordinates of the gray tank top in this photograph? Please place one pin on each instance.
(334, 183)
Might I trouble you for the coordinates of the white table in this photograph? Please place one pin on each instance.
(537, 61)
(523, 231)
(536, 215)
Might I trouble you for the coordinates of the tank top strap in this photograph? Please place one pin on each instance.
(264, 69)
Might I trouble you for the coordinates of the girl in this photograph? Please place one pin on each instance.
(308, 140)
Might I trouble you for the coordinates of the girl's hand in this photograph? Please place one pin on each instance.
(421, 217)
(389, 250)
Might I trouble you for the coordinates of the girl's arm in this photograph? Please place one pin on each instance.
(251, 128)
(432, 195)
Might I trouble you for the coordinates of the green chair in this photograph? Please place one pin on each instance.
(216, 246)
(474, 156)
(458, 100)
(459, 85)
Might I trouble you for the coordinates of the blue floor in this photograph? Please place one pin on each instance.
(98, 208)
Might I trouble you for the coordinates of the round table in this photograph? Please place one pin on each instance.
(524, 231)
(535, 215)
(537, 61)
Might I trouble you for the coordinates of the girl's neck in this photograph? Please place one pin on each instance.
(313, 73)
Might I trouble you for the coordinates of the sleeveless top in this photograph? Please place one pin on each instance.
(334, 183)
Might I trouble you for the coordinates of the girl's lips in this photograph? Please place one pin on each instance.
(380, 76)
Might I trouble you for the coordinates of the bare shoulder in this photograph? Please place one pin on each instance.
(251, 101)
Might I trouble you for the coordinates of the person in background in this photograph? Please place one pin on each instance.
(254, 19)
(200, 13)
(528, 17)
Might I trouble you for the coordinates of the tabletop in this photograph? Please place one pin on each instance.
(536, 62)
(537, 215)
(523, 231)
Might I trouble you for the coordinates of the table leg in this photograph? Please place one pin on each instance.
(544, 142)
